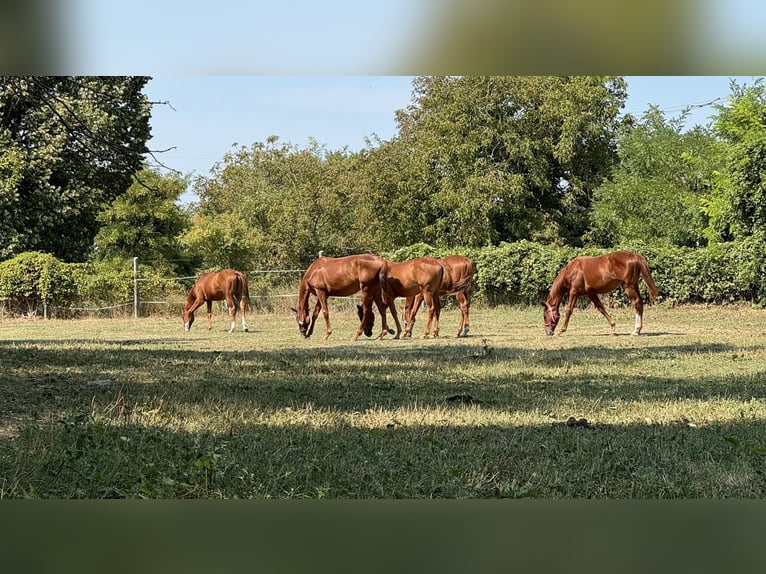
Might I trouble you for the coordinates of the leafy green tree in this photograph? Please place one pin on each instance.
(146, 222)
(492, 159)
(737, 206)
(658, 187)
(275, 206)
(68, 147)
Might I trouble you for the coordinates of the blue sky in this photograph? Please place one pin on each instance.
(211, 113)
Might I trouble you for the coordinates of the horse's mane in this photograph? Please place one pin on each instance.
(191, 296)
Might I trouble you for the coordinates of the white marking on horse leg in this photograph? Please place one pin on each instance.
(187, 327)
(637, 328)
(244, 324)
(233, 324)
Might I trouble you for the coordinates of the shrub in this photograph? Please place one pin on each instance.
(32, 280)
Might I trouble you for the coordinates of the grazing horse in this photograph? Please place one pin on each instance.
(457, 281)
(421, 276)
(341, 277)
(229, 285)
(591, 276)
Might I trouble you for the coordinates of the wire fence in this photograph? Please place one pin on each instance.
(266, 299)
(261, 299)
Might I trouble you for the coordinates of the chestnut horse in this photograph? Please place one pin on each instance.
(591, 276)
(422, 276)
(229, 285)
(457, 281)
(341, 277)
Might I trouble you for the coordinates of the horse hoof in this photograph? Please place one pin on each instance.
(245, 331)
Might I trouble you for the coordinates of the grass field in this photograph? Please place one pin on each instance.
(108, 408)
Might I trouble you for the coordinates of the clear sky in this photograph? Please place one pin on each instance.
(211, 113)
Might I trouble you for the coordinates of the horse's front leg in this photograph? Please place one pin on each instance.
(314, 316)
(209, 315)
(568, 313)
(601, 309)
(390, 303)
(433, 314)
(411, 306)
(367, 299)
(322, 303)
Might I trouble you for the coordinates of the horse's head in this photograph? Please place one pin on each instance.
(303, 323)
(550, 318)
(188, 317)
(370, 321)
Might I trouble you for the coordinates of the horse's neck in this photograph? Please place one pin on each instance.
(303, 297)
(559, 288)
(193, 301)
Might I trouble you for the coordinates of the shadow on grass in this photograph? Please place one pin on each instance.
(43, 377)
(92, 457)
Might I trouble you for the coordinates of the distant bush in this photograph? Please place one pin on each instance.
(34, 281)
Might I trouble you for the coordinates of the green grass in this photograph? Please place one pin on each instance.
(138, 408)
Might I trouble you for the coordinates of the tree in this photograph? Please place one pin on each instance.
(275, 206)
(68, 147)
(146, 222)
(658, 187)
(507, 158)
(737, 206)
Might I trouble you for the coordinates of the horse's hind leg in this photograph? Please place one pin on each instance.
(382, 306)
(231, 305)
(209, 314)
(638, 305)
(242, 307)
(462, 300)
(600, 306)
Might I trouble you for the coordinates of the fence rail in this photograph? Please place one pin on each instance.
(138, 304)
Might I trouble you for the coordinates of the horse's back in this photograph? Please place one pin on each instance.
(408, 276)
(343, 275)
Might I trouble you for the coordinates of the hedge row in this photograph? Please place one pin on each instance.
(35, 283)
(522, 272)
(511, 273)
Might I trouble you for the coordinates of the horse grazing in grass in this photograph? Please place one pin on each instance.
(228, 285)
(422, 276)
(342, 277)
(457, 281)
(591, 276)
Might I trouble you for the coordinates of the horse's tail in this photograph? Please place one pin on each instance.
(463, 286)
(383, 278)
(644, 268)
(245, 291)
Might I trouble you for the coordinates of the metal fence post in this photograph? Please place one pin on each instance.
(136, 311)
